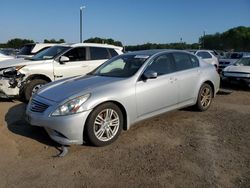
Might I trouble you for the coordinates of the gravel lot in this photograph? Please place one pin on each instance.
(179, 149)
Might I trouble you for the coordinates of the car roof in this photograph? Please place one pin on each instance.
(155, 51)
(91, 45)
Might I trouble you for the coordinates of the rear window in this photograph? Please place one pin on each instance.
(236, 56)
(204, 55)
(97, 53)
(26, 49)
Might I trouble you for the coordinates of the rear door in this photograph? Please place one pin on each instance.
(159, 93)
(97, 56)
(188, 75)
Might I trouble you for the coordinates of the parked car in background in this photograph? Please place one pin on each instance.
(238, 72)
(22, 77)
(5, 57)
(28, 50)
(231, 58)
(208, 56)
(124, 90)
(9, 51)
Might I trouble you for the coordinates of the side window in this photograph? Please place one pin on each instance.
(76, 54)
(162, 65)
(112, 52)
(182, 61)
(97, 53)
(204, 55)
(195, 61)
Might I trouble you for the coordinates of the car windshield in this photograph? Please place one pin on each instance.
(50, 53)
(122, 66)
(243, 62)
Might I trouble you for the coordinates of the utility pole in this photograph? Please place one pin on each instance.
(81, 20)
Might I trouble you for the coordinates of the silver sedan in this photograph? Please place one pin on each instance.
(95, 108)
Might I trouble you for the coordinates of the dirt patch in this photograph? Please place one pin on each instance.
(179, 149)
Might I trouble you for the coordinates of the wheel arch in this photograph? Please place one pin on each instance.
(211, 84)
(122, 108)
(37, 76)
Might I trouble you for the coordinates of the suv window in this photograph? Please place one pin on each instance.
(97, 53)
(182, 61)
(162, 65)
(112, 52)
(76, 54)
(204, 55)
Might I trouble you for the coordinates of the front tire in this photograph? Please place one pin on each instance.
(205, 96)
(32, 87)
(104, 124)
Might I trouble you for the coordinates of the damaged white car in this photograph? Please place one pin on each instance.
(23, 77)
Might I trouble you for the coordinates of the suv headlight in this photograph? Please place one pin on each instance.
(71, 107)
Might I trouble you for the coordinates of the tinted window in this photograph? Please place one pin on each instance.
(236, 56)
(182, 61)
(112, 52)
(76, 54)
(98, 53)
(162, 65)
(204, 55)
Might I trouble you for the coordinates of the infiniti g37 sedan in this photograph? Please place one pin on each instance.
(95, 108)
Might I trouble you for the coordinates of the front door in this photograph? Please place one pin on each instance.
(159, 93)
(77, 65)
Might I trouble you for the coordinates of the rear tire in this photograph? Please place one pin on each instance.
(204, 98)
(32, 87)
(104, 125)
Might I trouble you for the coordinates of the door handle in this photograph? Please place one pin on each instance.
(58, 76)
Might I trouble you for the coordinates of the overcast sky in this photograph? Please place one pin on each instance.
(130, 21)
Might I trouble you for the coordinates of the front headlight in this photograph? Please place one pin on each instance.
(12, 70)
(71, 107)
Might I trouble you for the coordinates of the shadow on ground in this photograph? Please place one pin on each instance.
(234, 86)
(15, 119)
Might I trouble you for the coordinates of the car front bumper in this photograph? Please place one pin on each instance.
(237, 77)
(66, 130)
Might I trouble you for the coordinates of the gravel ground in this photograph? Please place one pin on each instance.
(179, 149)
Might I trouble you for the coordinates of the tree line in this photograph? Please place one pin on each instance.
(237, 39)
(18, 43)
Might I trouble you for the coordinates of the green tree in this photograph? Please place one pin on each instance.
(17, 43)
(104, 41)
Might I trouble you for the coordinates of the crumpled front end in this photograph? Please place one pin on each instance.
(11, 82)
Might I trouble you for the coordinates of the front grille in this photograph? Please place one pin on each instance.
(37, 106)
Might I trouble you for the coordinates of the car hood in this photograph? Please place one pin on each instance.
(60, 90)
(18, 62)
(233, 68)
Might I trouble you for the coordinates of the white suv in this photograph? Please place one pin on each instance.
(20, 77)
(208, 56)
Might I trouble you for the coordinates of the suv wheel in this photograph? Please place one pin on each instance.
(32, 87)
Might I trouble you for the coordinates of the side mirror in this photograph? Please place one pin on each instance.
(63, 59)
(150, 74)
